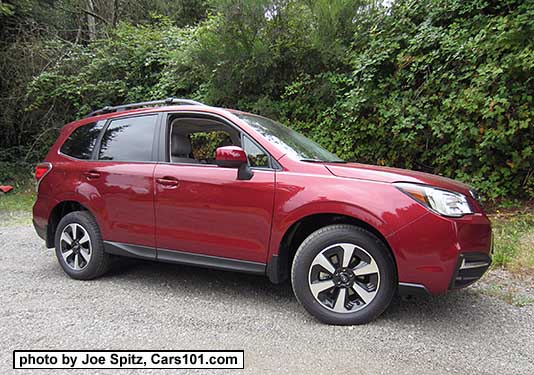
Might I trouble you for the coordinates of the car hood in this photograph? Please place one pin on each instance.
(387, 174)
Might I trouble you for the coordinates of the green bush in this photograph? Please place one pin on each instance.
(443, 86)
(19, 175)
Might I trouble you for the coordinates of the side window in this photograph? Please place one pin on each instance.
(204, 144)
(129, 139)
(256, 157)
(194, 140)
(82, 140)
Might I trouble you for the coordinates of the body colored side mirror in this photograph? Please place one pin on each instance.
(234, 157)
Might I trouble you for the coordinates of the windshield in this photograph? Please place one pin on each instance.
(292, 143)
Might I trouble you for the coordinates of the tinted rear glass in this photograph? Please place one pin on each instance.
(129, 139)
(82, 140)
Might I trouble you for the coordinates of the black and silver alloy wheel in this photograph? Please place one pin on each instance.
(344, 274)
(79, 246)
(344, 278)
(76, 246)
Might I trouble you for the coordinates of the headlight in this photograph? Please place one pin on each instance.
(444, 202)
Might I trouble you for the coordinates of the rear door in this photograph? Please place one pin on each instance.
(121, 178)
(204, 209)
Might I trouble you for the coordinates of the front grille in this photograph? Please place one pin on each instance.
(470, 268)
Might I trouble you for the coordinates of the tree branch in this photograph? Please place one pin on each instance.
(94, 15)
(81, 10)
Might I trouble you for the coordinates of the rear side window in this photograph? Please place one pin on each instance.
(129, 139)
(82, 140)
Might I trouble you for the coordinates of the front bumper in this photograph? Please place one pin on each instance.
(430, 251)
(469, 269)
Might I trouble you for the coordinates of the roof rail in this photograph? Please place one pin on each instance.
(125, 107)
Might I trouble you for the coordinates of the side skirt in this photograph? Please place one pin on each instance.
(127, 250)
(181, 257)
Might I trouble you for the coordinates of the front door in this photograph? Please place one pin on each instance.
(204, 209)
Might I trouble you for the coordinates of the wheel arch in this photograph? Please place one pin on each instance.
(61, 209)
(279, 265)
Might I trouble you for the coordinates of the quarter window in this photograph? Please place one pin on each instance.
(256, 157)
(129, 139)
(82, 140)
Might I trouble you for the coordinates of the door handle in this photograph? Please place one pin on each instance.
(167, 181)
(91, 175)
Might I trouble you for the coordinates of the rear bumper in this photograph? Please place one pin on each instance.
(41, 212)
(41, 230)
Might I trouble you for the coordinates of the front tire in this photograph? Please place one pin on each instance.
(343, 275)
(79, 246)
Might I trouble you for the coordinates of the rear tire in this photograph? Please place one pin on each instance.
(343, 275)
(79, 246)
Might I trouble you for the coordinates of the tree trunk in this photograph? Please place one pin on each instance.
(91, 23)
(115, 14)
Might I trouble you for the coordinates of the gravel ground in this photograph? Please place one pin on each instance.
(144, 305)
(516, 289)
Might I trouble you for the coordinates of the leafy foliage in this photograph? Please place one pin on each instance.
(443, 86)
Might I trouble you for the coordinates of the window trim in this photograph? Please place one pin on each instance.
(154, 152)
(165, 154)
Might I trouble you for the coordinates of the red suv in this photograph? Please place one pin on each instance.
(178, 181)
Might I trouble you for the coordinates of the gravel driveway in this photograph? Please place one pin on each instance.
(144, 305)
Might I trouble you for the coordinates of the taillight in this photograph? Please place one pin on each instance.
(41, 170)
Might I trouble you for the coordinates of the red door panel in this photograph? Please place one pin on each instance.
(206, 210)
(124, 196)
